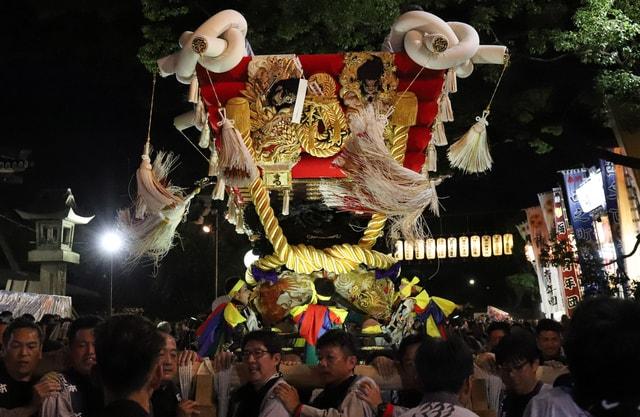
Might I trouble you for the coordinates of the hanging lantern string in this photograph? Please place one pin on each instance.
(153, 93)
(495, 90)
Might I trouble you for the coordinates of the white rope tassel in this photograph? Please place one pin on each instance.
(451, 81)
(438, 135)
(285, 202)
(205, 135)
(239, 221)
(432, 157)
(434, 203)
(471, 152)
(194, 90)
(235, 162)
(445, 112)
(218, 191)
(213, 160)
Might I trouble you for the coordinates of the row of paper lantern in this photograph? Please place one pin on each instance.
(475, 246)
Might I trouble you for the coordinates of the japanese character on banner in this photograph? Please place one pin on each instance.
(569, 283)
(572, 301)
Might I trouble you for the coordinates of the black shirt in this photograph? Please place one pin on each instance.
(333, 395)
(86, 394)
(514, 404)
(14, 393)
(165, 400)
(124, 408)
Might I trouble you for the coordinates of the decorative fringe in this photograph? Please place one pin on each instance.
(445, 112)
(152, 236)
(432, 157)
(235, 163)
(218, 190)
(232, 208)
(285, 202)
(239, 220)
(406, 110)
(213, 160)
(194, 90)
(438, 135)
(434, 204)
(471, 152)
(378, 183)
(451, 81)
(205, 136)
(154, 191)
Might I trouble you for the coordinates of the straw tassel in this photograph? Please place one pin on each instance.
(285, 202)
(434, 203)
(438, 135)
(471, 152)
(205, 135)
(213, 160)
(235, 163)
(239, 221)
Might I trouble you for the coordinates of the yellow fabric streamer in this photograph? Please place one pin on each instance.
(376, 329)
(237, 287)
(341, 313)
(232, 315)
(406, 286)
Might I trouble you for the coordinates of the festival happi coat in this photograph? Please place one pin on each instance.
(352, 133)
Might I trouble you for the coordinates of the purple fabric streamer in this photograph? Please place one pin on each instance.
(391, 273)
(261, 275)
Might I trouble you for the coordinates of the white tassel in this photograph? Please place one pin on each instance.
(202, 117)
(285, 202)
(378, 183)
(218, 190)
(432, 157)
(205, 136)
(232, 216)
(451, 81)
(438, 135)
(194, 90)
(235, 162)
(471, 152)
(154, 191)
(445, 112)
(434, 202)
(213, 160)
(239, 221)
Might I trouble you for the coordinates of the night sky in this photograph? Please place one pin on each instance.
(76, 95)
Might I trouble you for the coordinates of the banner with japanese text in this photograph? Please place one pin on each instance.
(552, 300)
(570, 278)
(609, 183)
(582, 222)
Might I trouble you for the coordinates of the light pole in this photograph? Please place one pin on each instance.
(111, 243)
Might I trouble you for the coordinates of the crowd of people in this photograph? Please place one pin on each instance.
(128, 366)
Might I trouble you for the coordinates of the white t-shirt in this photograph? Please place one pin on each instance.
(556, 402)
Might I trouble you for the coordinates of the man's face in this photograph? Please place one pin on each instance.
(169, 358)
(260, 363)
(333, 365)
(243, 295)
(23, 353)
(549, 343)
(82, 351)
(494, 338)
(408, 372)
(519, 377)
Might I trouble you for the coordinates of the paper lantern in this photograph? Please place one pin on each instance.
(399, 252)
(475, 246)
(507, 244)
(408, 250)
(441, 247)
(430, 248)
(452, 247)
(529, 253)
(418, 248)
(486, 246)
(497, 245)
(463, 246)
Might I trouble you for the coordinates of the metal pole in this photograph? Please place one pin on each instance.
(111, 285)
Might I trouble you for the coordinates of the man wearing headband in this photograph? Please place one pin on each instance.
(230, 319)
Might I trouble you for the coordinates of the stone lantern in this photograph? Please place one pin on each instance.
(54, 248)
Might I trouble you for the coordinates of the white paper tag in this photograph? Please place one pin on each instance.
(297, 108)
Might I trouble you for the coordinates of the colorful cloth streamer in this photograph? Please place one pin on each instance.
(218, 327)
(434, 312)
(314, 320)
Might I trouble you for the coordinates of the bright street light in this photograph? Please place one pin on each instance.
(472, 282)
(111, 242)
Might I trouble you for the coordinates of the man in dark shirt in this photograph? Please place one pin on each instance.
(19, 391)
(549, 339)
(517, 358)
(128, 364)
